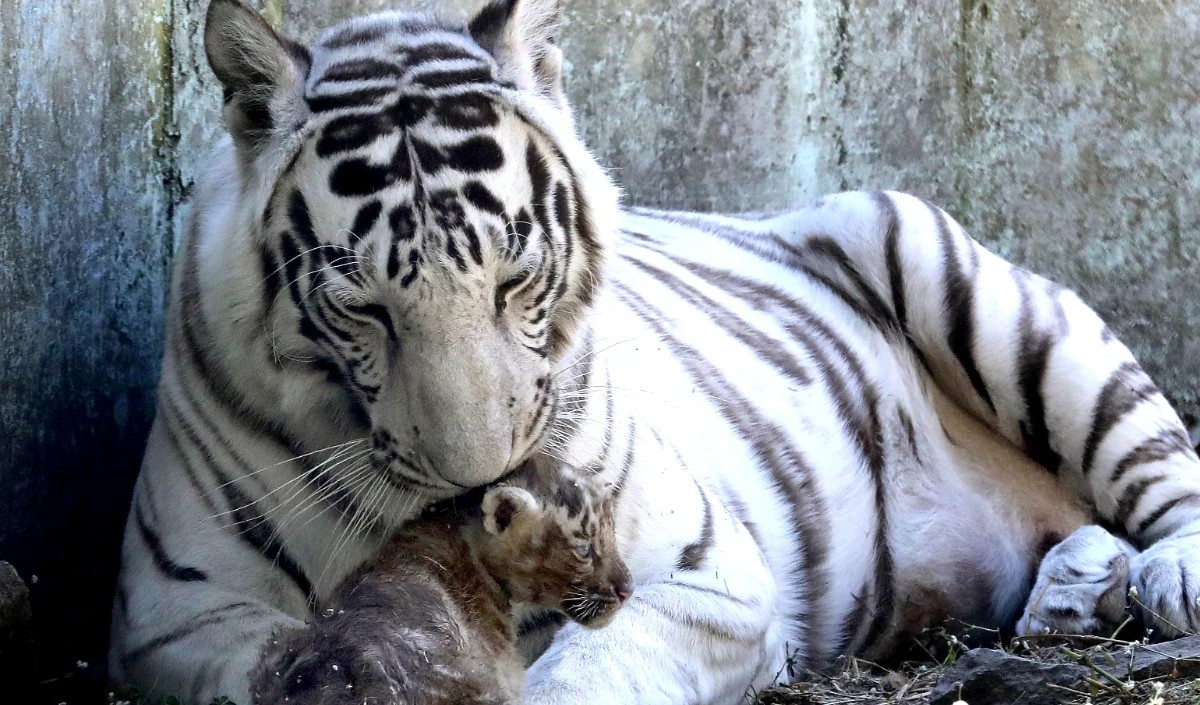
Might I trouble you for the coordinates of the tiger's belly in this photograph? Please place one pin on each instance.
(968, 540)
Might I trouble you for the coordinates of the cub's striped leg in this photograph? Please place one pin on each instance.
(700, 633)
(1028, 358)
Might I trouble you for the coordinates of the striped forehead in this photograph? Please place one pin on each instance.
(383, 53)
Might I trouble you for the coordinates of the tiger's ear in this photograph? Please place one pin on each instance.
(504, 507)
(263, 73)
(521, 36)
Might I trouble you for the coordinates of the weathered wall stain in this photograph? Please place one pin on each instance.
(1062, 134)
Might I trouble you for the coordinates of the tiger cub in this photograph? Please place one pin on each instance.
(431, 623)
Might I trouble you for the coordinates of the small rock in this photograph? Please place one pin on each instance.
(1179, 659)
(993, 677)
(16, 635)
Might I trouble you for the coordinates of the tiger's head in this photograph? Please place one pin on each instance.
(427, 227)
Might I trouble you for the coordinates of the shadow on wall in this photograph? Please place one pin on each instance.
(62, 531)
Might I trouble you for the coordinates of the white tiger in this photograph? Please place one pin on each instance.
(405, 275)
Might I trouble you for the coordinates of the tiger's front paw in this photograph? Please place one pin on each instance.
(1166, 578)
(1080, 586)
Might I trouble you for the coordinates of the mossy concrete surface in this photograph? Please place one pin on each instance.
(1063, 134)
(86, 206)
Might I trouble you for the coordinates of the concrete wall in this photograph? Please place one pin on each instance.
(86, 204)
(1062, 133)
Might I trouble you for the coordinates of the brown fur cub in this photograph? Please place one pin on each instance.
(431, 622)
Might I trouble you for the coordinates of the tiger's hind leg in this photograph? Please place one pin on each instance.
(1080, 586)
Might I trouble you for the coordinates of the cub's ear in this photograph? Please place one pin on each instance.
(504, 507)
(262, 72)
(520, 35)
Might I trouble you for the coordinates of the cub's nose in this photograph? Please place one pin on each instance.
(624, 591)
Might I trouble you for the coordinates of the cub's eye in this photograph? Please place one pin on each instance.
(507, 288)
(583, 551)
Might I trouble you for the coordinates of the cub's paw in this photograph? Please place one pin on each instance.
(1080, 586)
(1166, 577)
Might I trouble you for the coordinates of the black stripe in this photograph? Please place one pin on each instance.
(482, 198)
(906, 423)
(378, 313)
(539, 184)
(522, 229)
(1126, 387)
(466, 111)
(692, 556)
(866, 299)
(426, 53)
(565, 218)
(446, 79)
(360, 70)
(1159, 513)
(452, 250)
(1033, 355)
(626, 465)
(365, 220)
(1132, 496)
(351, 37)
(362, 98)
(960, 306)
(358, 177)
(593, 250)
(193, 625)
(351, 132)
(171, 412)
(162, 561)
(891, 248)
(476, 154)
(1168, 442)
(473, 245)
(270, 271)
(302, 222)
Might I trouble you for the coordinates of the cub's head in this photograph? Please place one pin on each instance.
(425, 229)
(550, 541)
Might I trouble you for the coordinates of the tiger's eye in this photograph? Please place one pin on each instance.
(583, 551)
